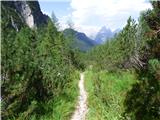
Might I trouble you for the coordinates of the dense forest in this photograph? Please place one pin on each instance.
(40, 70)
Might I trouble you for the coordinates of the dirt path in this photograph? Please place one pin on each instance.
(81, 108)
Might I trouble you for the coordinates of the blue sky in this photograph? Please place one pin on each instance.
(60, 8)
(90, 15)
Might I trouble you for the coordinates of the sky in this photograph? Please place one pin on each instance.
(89, 16)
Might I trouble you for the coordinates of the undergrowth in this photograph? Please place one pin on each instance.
(61, 107)
(106, 93)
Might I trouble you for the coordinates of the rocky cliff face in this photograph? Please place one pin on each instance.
(26, 12)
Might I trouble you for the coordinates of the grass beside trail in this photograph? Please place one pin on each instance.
(106, 93)
(63, 106)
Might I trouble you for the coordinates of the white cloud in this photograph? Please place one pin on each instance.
(90, 15)
(89, 30)
(63, 21)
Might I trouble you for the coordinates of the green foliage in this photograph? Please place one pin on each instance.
(154, 65)
(143, 99)
(142, 102)
(17, 71)
(51, 60)
(36, 74)
(138, 46)
(117, 50)
(39, 78)
(76, 55)
(61, 107)
(106, 93)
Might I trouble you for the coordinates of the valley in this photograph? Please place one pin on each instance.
(50, 73)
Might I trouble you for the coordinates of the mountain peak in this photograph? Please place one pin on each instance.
(103, 28)
(103, 35)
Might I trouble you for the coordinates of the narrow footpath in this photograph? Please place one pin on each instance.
(81, 108)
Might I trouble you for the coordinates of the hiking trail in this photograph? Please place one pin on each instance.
(81, 108)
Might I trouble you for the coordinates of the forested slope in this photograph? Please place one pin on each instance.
(80, 40)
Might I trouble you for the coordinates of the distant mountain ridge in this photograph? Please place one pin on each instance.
(81, 41)
(105, 34)
(84, 43)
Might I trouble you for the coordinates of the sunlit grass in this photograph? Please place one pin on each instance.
(106, 93)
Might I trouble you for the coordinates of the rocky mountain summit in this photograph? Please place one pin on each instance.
(105, 34)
